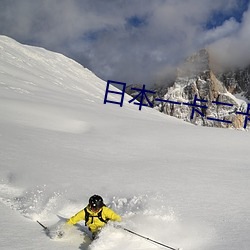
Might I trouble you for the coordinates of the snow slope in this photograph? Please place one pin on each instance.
(176, 183)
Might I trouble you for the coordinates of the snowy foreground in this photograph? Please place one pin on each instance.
(182, 185)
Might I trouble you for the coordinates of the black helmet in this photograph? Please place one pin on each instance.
(96, 202)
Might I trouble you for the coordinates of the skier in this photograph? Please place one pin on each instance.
(95, 214)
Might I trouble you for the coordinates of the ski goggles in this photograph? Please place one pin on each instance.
(94, 208)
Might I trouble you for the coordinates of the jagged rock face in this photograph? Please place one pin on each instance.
(195, 78)
(237, 81)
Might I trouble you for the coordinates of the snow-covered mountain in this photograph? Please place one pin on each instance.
(214, 91)
(237, 81)
(182, 185)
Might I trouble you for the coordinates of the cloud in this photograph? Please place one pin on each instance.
(131, 41)
(233, 49)
(228, 28)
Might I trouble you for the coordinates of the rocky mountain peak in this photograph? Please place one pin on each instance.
(196, 79)
(237, 81)
(196, 64)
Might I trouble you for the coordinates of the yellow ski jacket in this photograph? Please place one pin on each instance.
(94, 223)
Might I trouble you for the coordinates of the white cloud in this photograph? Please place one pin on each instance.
(228, 28)
(233, 50)
(100, 33)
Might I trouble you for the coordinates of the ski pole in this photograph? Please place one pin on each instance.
(45, 228)
(146, 238)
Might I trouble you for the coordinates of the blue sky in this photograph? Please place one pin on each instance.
(218, 17)
(133, 41)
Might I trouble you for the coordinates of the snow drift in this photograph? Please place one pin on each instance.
(182, 185)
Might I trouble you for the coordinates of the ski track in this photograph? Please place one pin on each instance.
(145, 214)
(45, 96)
